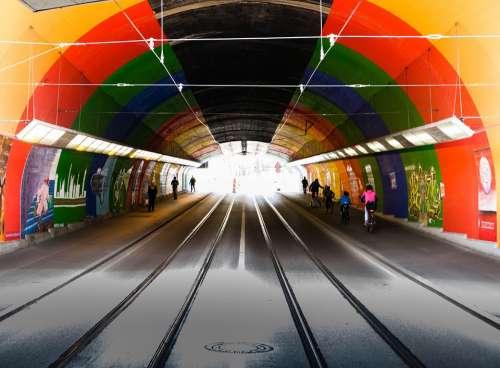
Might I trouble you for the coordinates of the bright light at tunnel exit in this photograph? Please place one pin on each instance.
(249, 174)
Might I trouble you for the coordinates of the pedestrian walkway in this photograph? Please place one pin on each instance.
(106, 234)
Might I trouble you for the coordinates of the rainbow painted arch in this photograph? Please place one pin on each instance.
(384, 74)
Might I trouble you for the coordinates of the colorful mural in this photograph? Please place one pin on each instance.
(424, 195)
(486, 195)
(119, 186)
(70, 189)
(38, 191)
(100, 183)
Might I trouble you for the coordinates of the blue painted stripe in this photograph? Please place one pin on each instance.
(371, 126)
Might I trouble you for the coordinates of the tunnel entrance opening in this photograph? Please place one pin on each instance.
(246, 167)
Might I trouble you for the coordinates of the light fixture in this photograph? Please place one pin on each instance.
(376, 146)
(350, 152)
(394, 143)
(361, 149)
(446, 130)
(46, 134)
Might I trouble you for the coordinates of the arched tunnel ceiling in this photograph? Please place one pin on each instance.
(374, 83)
(242, 113)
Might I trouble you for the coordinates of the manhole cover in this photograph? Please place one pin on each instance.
(238, 347)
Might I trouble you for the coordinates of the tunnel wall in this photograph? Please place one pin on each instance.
(412, 82)
(58, 189)
(45, 187)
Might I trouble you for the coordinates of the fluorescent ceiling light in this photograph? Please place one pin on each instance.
(376, 146)
(76, 141)
(446, 130)
(419, 138)
(350, 152)
(361, 149)
(46, 134)
(394, 143)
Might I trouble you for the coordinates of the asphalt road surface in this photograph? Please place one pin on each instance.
(244, 281)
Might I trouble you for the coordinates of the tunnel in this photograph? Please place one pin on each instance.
(257, 183)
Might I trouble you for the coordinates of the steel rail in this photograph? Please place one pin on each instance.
(167, 344)
(95, 330)
(491, 321)
(406, 355)
(311, 347)
(100, 262)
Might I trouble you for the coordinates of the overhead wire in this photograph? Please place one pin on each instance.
(436, 36)
(28, 59)
(303, 87)
(203, 85)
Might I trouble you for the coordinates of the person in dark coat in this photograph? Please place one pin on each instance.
(305, 183)
(192, 182)
(175, 184)
(152, 192)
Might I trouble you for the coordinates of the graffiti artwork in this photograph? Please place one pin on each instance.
(353, 181)
(119, 185)
(5, 145)
(70, 193)
(424, 195)
(37, 198)
(369, 176)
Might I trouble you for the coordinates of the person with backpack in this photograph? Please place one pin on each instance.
(345, 203)
(329, 197)
(314, 189)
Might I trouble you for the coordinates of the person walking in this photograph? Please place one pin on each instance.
(305, 183)
(175, 184)
(314, 188)
(152, 192)
(192, 182)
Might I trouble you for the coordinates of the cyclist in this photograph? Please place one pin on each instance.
(305, 183)
(314, 188)
(329, 197)
(369, 200)
(345, 203)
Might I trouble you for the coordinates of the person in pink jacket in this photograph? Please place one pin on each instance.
(369, 200)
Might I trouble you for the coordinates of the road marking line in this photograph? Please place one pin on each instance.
(241, 260)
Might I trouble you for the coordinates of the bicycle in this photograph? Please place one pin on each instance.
(344, 214)
(315, 200)
(370, 224)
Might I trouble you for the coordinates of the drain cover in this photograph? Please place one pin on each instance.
(238, 347)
